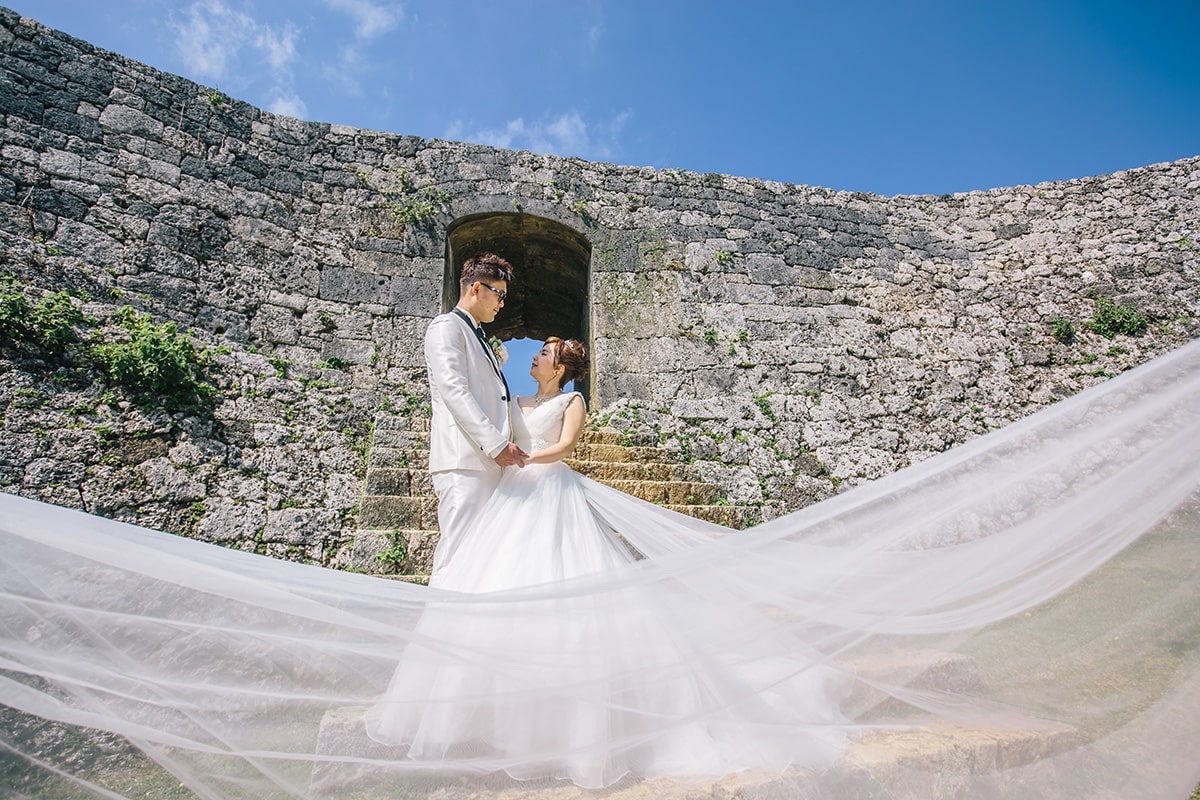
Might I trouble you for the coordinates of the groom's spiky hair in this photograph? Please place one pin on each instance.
(482, 267)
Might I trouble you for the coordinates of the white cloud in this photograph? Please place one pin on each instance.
(350, 67)
(345, 71)
(221, 44)
(370, 19)
(209, 36)
(566, 134)
(279, 48)
(289, 105)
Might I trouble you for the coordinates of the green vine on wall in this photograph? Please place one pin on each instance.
(154, 365)
(406, 203)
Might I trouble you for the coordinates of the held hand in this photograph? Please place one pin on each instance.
(511, 456)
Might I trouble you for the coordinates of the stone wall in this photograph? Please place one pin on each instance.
(788, 341)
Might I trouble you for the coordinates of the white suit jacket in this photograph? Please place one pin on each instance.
(472, 416)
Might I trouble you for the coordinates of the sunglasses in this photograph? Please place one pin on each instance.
(499, 292)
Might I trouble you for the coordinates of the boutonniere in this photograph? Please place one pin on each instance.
(499, 349)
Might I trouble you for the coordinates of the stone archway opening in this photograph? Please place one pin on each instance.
(549, 293)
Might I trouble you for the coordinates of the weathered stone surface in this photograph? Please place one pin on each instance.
(783, 342)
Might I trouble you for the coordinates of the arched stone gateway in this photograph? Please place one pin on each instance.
(550, 294)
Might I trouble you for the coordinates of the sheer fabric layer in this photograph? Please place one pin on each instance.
(1040, 581)
(569, 678)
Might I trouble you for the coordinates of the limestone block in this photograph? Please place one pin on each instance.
(275, 324)
(167, 482)
(299, 526)
(392, 512)
(228, 521)
(261, 232)
(123, 119)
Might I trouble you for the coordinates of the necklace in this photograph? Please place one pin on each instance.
(539, 399)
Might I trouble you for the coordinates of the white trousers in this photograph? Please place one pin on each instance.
(461, 495)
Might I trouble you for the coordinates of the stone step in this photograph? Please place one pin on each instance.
(922, 670)
(417, 460)
(933, 761)
(738, 517)
(391, 421)
(404, 432)
(411, 457)
(618, 453)
(363, 553)
(937, 759)
(398, 481)
(686, 493)
(605, 471)
(391, 457)
(950, 672)
(392, 481)
(401, 438)
(386, 512)
(609, 436)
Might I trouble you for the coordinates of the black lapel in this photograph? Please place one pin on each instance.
(487, 349)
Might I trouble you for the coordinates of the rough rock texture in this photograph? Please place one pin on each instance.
(787, 341)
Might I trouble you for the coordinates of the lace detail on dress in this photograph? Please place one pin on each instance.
(545, 422)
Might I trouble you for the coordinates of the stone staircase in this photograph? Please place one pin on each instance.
(398, 516)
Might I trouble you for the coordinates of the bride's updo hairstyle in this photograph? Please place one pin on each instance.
(572, 355)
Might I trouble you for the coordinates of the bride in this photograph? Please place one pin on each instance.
(521, 537)
(576, 665)
(1012, 618)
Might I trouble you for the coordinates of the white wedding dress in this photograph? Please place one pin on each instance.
(537, 526)
(575, 673)
(1040, 581)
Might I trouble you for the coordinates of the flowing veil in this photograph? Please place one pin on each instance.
(1017, 617)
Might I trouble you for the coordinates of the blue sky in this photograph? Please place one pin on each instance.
(861, 95)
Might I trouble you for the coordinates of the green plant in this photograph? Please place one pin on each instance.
(419, 206)
(333, 362)
(157, 365)
(1112, 318)
(48, 249)
(360, 442)
(764, 405)
(723, 257)
(326, 323)
(214, 97)
(14, 312)
(408, 204)
(48, 324)
(280, 364)
(397, 553)
(710, 336)
(1063, 330)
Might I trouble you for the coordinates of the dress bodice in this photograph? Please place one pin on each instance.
(545, 422)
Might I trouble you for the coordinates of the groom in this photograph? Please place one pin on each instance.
(471, 428)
